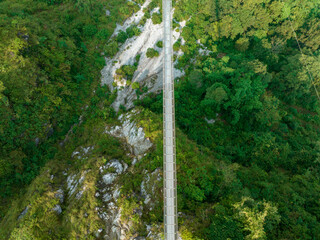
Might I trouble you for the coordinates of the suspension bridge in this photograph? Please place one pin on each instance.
(169, 145)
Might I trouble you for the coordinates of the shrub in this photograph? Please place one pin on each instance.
(147, 15)
(159, 44)
(135, 85)
(126, 71)
(137, 58)
(152, 53)
(177, 45)
(51, 2)
(133, 31)
(111, 49)
(122, 37)
(103, 34)
(242, 44)
(223, 228)
(156, 18)
(90, 30)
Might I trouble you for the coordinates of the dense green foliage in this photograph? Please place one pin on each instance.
(50, 63)
(248, 137)
(255, 85)
(156, 18)
(159, 44)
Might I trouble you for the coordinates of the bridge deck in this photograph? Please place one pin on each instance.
(169, 149)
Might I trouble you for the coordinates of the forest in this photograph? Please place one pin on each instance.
(247, 116)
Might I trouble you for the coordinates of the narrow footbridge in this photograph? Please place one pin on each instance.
(169, 143)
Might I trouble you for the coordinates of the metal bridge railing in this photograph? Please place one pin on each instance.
(169, 141)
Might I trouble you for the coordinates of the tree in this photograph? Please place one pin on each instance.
(269, 114)
(111, 48)
(311, 34)
(253, 216)
(234, 92)
(2, 88)
(294, 83)
(156, 18)
(151, 53)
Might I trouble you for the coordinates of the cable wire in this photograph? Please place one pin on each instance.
(306, 66)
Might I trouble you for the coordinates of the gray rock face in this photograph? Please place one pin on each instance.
(57, 209)
(148, 186)
(24, 212)
(60, 195)
(82, 153)
(109, 178)
(73, 185)
(210, 121)
(149, 71)
(134, 135)
(116, 165)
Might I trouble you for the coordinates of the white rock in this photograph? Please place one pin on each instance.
(109, 178)
(204, 51)
(98, 232)
(134, 136)
(107, 197)
(86, 150)
(117, 166)
(102, 215)
(125, 167)
(116, 194)
(183, 23)
(111, 205)
(75, 153)
(134, 19)
(79, 194)
(155, 10)
(57, 209)
(82, 179)
(60, 195)
(143, 189)
(71, 184)
(134, 161)
(149, 71)
(148, 186)
(210, 121)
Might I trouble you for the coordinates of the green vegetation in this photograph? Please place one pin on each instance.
(129, 33)
(151, 53)
(50, 63)
(156, 18)
(159, 44)
(135, 85)
(255, 84)
(252, 172)
(79, 219)
(126, 71)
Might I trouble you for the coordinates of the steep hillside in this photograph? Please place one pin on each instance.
(99, 186)
(50, 57)
(86, 148)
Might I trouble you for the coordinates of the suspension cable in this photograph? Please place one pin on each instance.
(306, 66)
